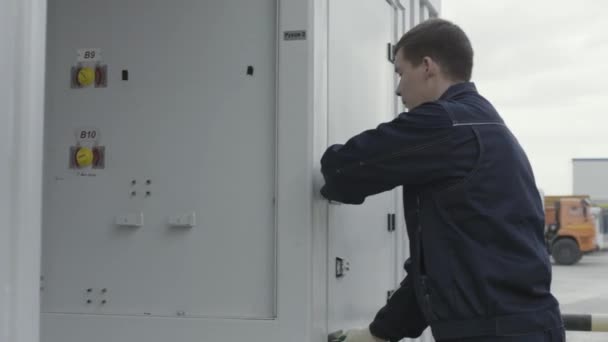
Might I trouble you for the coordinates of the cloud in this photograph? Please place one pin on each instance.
(544, 66)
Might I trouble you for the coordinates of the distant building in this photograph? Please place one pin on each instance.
(590, 177)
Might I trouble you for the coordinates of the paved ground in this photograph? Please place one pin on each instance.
(583, 288)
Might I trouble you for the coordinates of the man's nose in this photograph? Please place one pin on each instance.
(397, 92)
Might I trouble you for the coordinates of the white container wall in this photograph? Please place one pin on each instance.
(191, 218)
(181, 177)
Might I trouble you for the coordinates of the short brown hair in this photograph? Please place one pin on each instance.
(444, 42)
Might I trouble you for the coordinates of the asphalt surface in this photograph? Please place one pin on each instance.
(583, 289)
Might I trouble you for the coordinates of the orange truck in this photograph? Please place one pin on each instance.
(570, 229)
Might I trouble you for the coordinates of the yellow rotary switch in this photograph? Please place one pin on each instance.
(85, 76)
(84, 157)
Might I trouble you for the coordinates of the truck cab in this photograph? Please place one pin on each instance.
(570, 229)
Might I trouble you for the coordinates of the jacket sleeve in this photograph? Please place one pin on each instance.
(401, 317)
(410, 150)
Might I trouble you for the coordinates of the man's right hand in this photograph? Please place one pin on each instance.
(359, 335)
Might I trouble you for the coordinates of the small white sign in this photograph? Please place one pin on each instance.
(87, 135)
(294, 35)
(89, 55)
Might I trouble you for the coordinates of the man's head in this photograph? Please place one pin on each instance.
(429, 59)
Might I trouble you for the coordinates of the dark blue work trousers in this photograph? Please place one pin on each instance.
(555, 335)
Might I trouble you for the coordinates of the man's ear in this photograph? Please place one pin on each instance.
(430, 67)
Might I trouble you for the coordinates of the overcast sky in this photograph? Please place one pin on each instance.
(544, 65)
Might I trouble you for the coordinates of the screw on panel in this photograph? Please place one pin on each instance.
(89, 290)
(89, 301)
(148, 182)
(104, 290)
(181, 313)
(133, 193)
(133, 182)
(103, 302)
(148, 193)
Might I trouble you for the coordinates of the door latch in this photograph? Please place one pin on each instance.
(342, 267)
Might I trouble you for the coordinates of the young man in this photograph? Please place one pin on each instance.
(479, 269)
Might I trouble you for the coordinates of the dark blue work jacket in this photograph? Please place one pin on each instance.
(478, 264)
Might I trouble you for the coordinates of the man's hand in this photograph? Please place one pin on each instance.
(359, 335)
(334, 197)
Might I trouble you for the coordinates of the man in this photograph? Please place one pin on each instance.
(479, 269)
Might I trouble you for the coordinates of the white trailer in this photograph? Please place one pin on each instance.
(589, 178)
(178, 198)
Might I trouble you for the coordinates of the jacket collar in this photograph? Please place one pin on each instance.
(458, 89)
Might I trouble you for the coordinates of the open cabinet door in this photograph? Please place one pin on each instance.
(361, 96)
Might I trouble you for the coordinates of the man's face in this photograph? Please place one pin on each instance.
(413, 87)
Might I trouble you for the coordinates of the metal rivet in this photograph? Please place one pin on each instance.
(148, 193)
(89, 290)
(104, 290)
(133, 182)
(133, 193)
(148, 182)
(104, 301)
(89, 301)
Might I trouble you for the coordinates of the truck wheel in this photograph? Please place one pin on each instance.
(566, 252)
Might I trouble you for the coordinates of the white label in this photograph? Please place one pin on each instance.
(89, 55)
(294, 35)
(87, 135)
